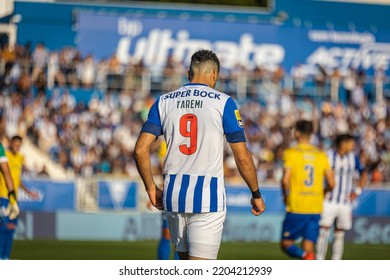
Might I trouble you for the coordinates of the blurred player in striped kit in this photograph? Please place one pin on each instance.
(304, 169)
(338, 203)
(195, 119)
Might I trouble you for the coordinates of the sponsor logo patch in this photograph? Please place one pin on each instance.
(238, 117)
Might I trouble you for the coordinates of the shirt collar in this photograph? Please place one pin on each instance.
(195, 84)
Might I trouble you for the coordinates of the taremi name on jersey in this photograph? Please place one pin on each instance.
(194, 120)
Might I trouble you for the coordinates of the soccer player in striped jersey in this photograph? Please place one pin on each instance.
(305, 168)
(338, 203)
(194, 120)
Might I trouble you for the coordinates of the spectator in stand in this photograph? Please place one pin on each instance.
(40, 56)
(349, 83)
(320, 79)
(298, 73)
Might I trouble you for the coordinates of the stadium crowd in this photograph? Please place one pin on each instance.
(98, 136)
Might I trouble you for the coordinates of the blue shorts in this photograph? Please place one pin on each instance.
(3, 218)
(301, 225)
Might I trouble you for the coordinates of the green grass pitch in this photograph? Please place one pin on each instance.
(146, 250)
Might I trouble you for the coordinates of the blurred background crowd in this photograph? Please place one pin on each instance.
(86, 114)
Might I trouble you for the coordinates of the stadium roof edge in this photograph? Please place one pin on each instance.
(366, 2)
(167, 6)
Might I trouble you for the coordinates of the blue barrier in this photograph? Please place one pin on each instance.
(372, 202)
(121, 194)
(238, 199)
(375, 202)
(52, 196)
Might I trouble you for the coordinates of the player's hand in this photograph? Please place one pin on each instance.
(149, 205)
(12, 210)
(155, 197)
(285, 199)
(33, 195)
(327, 189)
(258, 206)
(352, 196)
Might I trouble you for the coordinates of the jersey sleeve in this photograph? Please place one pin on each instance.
(3, 157)
(153, 123)
(287, 159)
(358, 166)
(233, 126)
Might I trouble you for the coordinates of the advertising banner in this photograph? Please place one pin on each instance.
(238, 199)
(372, 202)
(153, 40)
(372, 230)
(52, 196)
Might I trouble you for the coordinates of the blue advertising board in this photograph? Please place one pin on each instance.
(153, 40)
(372, 202)
(117, 194)
(238, 199)
(52, 196)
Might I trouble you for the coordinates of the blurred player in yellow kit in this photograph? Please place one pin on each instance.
(15, 162)
(304, 170)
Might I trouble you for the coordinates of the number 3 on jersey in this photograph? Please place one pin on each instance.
(310, 174)
(189, 129)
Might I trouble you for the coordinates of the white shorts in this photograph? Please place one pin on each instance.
(340, 213)
(199, 234)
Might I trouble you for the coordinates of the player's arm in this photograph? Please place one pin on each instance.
(288, 163)
(142, 160)
(149, 133)
(329, 174)
(362, 182)
(329, 178)
(33, 195)
(363, 179)
(13, 208)
(7, 176)
(286, 179)
(246, 168)
(234, 132)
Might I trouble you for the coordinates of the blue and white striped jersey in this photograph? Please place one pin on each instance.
(194, 120)
(344, 168)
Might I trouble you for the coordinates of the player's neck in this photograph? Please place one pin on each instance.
(303, 141)
(341, 152)
(200, 80)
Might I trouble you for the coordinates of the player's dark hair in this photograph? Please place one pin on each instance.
(16, 137)
(304, 127)
(200, 57)
(343, 138)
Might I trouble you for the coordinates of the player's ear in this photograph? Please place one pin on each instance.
(215, 75)
(189, 75)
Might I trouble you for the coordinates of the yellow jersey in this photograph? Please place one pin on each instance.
(15, 163)
(308, 166)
